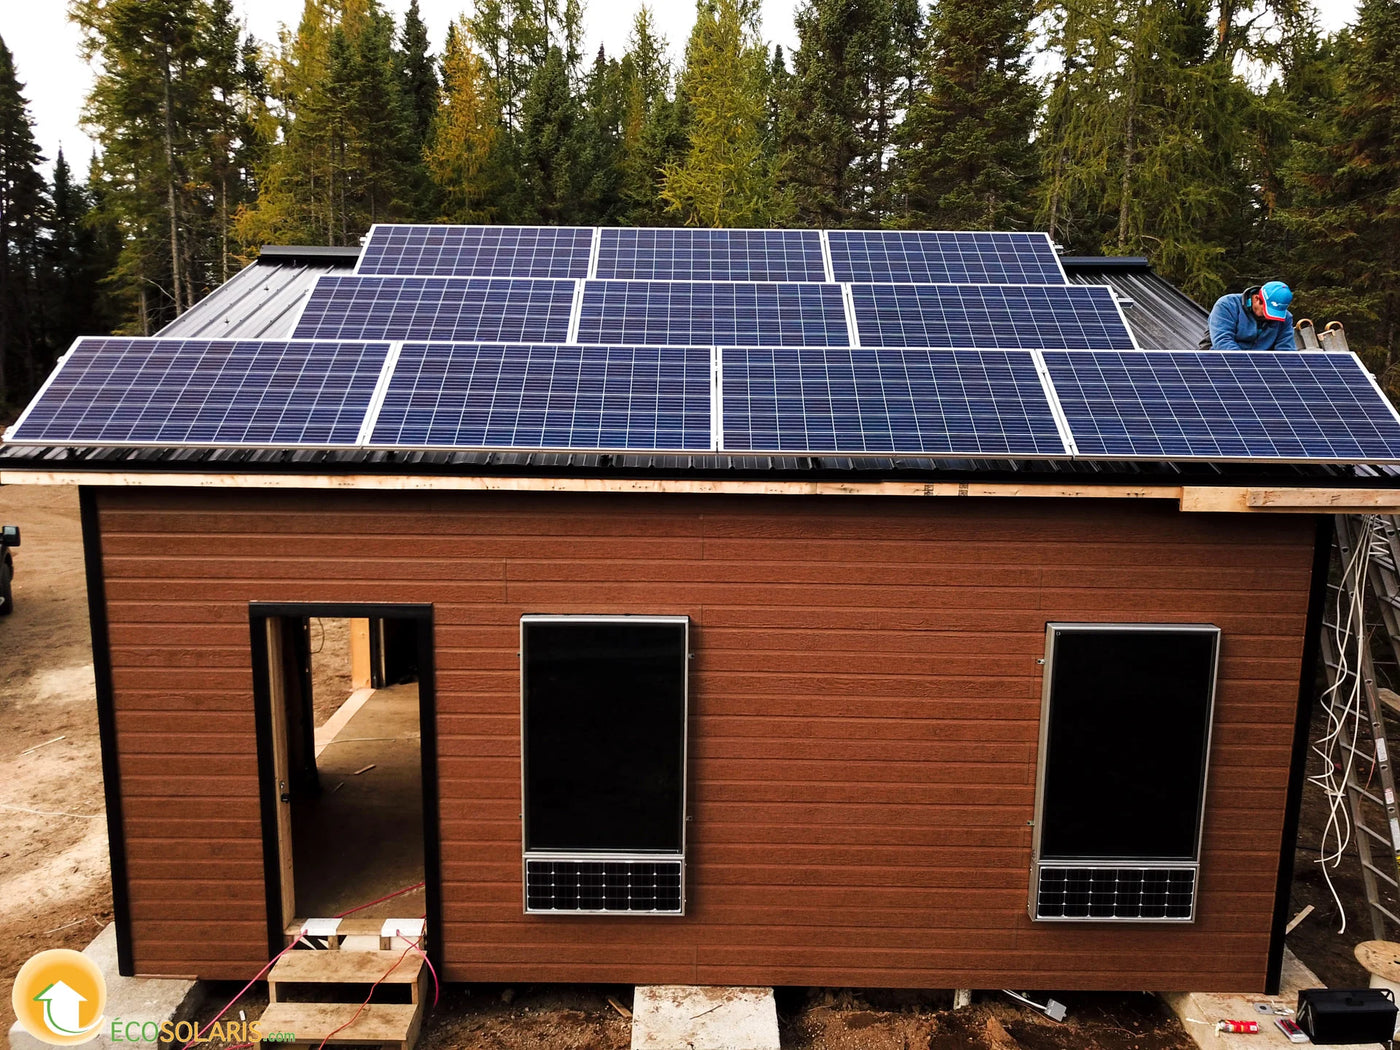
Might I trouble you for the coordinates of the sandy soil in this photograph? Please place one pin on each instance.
(54, 889)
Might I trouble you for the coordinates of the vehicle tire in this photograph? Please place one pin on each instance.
(7, 601)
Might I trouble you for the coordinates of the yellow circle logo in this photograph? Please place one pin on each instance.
(59, 996)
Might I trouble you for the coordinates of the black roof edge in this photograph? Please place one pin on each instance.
(309, 253)
(1105, 262)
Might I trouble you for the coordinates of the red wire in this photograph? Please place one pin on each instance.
(372, 987)
(381, 900)
(250, 984)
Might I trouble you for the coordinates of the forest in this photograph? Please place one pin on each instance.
(1229, 141)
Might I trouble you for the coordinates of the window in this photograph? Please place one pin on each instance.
(603, 722)
(1124, 743)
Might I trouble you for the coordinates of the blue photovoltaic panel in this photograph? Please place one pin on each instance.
(944, 258)
(203, 392)
(1007, 317)
(548, 397)
(710, 255)
(467, 309)
(1224, 405)
(478, 251)
(680, 313)
(917, 402)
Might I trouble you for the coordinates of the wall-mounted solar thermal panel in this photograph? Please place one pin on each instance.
(710, 255)
(477, 251)
(174, 392)
(683, 313)
(944, 257)
(594, 398)
(464, 309)
(1021, 317)
(887, 402)
(1224, 405)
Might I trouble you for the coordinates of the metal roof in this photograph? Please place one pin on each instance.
(1161, 316)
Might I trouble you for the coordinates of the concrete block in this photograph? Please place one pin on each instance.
(128, 998)
(685, 1017)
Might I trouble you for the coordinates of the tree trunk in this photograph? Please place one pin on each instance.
(171, 191)
(1129, 146)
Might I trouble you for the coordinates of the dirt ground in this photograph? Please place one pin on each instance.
(54, 889)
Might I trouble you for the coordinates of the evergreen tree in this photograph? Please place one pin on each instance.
(966, 153)
(550, 143)
(22, 214)
(652, 127)
(462, 154)
(599, 167)
(75, 261)
(420, 82)
(1345, 185)
(725, 178)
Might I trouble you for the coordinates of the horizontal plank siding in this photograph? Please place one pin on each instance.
(865, 695)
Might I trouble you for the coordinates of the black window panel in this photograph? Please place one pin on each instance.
(1129, 726)
(604, 735)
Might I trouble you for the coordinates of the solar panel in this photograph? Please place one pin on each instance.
(548, 397)
(680, 313)
(944, 258)
(1224, 405)
(1028, 317)
(203, 392)
(478, 251)
(918, 402)
(469, 309)
(711, 255)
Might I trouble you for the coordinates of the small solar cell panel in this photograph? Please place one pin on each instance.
(875, 401)
(944, 257)
(1025, 317)
(1218, 405)
(444, 395)
(467, 309)
(478, 251)
(206, 392)
(681, 313)
(710, 255)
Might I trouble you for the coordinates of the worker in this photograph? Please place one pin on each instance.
(1256, 320)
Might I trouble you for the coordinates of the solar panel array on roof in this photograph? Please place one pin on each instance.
(688, 313)
(929, 344)
(455, 395)
(933, 257)
(477, 251)
(468, 309)
(1224, 405)
(201, 392)
(919, 402)
(1025, 317)
(710, 255)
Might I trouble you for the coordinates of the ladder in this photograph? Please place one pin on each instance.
(1370, 783)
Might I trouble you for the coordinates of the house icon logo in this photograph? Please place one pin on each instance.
(59, 996)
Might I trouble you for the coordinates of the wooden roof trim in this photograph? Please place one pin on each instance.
(1195, 498)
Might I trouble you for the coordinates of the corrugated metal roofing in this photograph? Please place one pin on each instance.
(1161, 316)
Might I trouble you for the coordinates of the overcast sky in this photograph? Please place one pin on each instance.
(56, 80)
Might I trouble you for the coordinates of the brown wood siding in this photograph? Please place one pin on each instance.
(865, 698)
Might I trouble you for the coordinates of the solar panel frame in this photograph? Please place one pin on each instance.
(711, 256)
(990, 316)
(1200, 410)
(712, 313)
(438, 309)
(873, 401)
(153, 385)
(443, 250)
(944, 257)
(492, 391)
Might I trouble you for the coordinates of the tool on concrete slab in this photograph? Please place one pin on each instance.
(1290, 1028)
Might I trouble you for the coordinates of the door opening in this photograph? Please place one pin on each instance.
(347, 819)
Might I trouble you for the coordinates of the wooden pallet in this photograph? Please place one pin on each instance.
(387, 1024)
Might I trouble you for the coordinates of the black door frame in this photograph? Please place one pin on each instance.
(422, 615)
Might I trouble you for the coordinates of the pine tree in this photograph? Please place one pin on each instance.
(75, 261)
(462, 154)
(420, 82)
(652, 130)
(22, 214)
(550, 143)
(1345, 185)
(725, 178)
(966, 153)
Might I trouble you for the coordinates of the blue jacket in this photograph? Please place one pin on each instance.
(1233, 326)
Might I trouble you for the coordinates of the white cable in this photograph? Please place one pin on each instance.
(1343, 711)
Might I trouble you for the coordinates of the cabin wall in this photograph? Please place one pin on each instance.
(865, 707)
